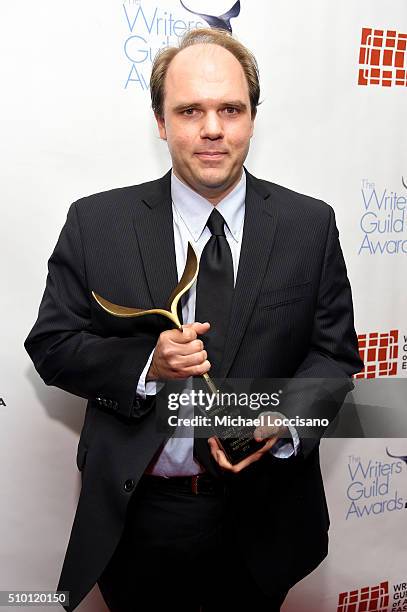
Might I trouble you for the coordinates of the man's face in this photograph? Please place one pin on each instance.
(207, 119)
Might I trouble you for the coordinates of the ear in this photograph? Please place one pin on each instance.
(252, 124)
(161, 126)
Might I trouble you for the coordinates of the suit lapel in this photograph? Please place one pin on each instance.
(258, 233)
(154, 228)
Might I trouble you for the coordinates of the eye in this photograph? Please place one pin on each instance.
(231, 110)
(189, 112)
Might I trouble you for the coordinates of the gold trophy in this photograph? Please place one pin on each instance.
(187, 280)
(235, 444)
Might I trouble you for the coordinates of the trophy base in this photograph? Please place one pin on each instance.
(237, 449)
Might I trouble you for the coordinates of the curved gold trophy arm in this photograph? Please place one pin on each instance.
(188, 278)
(125, 312)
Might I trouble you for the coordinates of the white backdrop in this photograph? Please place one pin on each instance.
(72, 123)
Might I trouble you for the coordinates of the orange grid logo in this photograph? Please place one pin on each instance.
(382, 58)
(366, 599)
(379, 353)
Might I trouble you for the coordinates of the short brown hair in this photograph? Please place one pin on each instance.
(204, 36)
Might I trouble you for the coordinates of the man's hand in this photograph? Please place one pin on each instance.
(179, 354)
(269, 432)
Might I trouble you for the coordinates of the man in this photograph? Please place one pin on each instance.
(163, 523)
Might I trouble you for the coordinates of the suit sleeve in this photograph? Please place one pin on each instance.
(323, 379)
(65, 350)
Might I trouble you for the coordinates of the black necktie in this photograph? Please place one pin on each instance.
(214, 290)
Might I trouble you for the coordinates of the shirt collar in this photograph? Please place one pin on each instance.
(195, 209)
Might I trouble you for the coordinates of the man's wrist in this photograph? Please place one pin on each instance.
(269, 418)
(151, 374)
(287, 441)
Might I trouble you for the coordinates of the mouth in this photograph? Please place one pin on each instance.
(211, 155)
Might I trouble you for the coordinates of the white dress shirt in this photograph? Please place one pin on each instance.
(190, 215)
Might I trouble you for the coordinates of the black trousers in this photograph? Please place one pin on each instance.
(176, 554)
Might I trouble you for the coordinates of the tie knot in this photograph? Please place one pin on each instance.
(216, 223)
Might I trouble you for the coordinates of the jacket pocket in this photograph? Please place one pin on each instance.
(284, 295)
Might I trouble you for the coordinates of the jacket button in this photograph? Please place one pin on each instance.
(129, 485)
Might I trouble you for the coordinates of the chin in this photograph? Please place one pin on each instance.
(214, 181)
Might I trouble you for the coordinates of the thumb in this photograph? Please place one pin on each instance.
(201, 328)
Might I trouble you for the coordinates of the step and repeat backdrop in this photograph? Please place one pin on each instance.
(76, 119)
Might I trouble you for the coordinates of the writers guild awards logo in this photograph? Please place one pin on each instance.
(223, 21)
(151, 28)
(382, 58)
(374, 487)
(376, 477)
(379, 352)
(384, 219)
(378, 597)
(367, 598)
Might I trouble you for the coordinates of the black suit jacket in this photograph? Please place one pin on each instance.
(292, 316)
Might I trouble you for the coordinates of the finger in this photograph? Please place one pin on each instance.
(238, 467)
(213, 443)
(178, 336)
(201, 328)
(219, 455)
(225, 464)
(189, 348)
(193, 359)
(270, 443)
(197, 370)
(267, 445)
(265, 433)
(222, 461)
(187, 334)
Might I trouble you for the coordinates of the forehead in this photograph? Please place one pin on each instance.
(205, 71)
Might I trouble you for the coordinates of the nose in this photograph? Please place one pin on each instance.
(212, 126)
